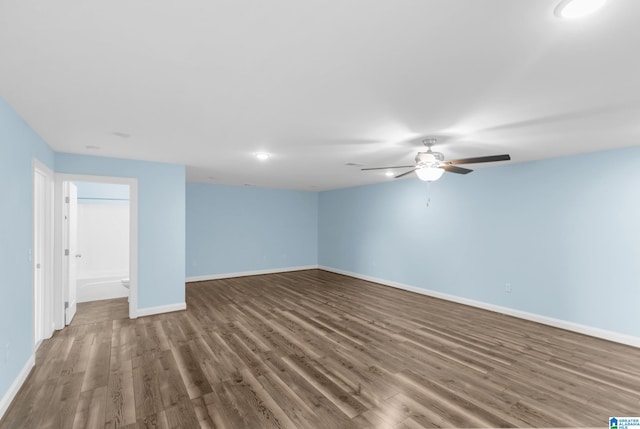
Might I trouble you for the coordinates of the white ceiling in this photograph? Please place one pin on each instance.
(320, 83)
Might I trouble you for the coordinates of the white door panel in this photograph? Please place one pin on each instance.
(42, 256)
(71, 248)
(38, 255)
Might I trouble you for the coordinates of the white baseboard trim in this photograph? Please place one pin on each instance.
(550, 321)
(249, 273)
(16, 385)
(150, 311)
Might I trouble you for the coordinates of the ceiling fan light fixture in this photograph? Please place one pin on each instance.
(262, 156)
(572, 9)
(429, 174)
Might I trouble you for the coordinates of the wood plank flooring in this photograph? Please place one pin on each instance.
(313, 349)
(106, 310)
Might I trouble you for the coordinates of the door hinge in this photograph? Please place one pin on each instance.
(66, 305)
(66, 200)
(66, 252)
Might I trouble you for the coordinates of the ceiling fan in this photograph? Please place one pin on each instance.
(431, 165)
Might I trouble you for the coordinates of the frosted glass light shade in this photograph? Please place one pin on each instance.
(429, 174)
(262, 156)
(571, 9)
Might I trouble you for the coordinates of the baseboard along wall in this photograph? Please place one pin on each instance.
(150, 311)
(550, 321)
(545, 320)
(249, 273)
(17, 384)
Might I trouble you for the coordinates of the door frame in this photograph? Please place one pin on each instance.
(70, 216)
(59, 262)
(43, 251)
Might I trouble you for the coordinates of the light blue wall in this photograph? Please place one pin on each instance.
(102, 193)
(564, 232)
(161, 221)
(238, 228)
(19, 144)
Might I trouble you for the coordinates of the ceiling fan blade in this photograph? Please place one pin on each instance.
(454, 169)
(479, 159)
(404, 174)
(387, 168)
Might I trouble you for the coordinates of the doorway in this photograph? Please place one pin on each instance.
(102, 258)
(83, 272)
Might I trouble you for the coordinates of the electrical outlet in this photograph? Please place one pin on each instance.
(507, 287)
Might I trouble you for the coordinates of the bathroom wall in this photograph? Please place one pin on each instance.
(103, 240)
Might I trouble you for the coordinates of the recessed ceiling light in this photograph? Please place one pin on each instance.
(92, 147)
(571, 9)
(262, 156)
(389, 174)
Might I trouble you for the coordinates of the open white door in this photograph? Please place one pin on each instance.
(71, 245)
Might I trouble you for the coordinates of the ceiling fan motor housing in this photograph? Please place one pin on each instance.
(429, 158)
